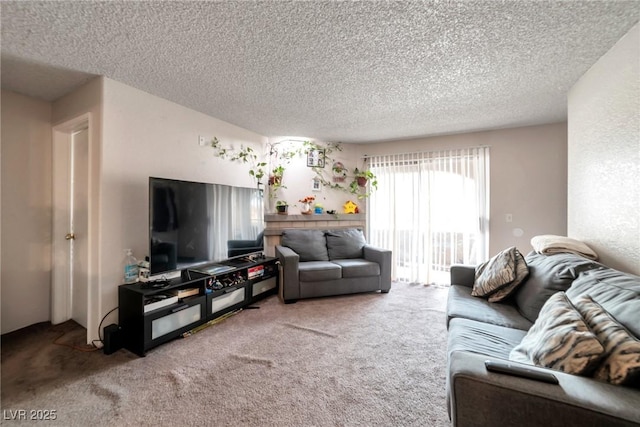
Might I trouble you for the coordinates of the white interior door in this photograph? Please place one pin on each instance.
(70, 278)
(79, 226)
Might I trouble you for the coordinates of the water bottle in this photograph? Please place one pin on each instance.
(130, 267)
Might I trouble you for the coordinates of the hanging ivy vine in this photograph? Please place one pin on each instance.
(281, 158)
(257, 168)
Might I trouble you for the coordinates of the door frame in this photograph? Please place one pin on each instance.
(61, 308)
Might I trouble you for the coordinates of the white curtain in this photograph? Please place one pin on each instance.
(432, 210)
(236, 213)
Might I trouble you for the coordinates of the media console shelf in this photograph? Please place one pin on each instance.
(150, 317)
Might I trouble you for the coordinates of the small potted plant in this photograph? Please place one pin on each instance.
(275, 178)
(363, 176)
(282, 207)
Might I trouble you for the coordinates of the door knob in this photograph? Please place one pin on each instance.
(70, 236)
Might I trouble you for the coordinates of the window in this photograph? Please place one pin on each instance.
(431, 210)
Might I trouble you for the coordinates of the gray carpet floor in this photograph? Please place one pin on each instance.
(359, 360)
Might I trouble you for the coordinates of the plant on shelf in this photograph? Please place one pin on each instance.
(282, 207)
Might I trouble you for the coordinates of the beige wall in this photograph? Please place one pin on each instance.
(26, 211)
(604, 156)
(528, 178)
(134, 135)
(144, 135)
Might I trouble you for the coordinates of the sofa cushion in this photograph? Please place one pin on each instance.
(317, 271)
(548, 274)
(482, 338)
(522, 272)
(617, 292)
(344, 244)
(358, 267)
(559, 339)
(461, 304)
(495, 273)
(310, 245)
(621, 361)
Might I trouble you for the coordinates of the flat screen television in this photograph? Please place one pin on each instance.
(191, 222)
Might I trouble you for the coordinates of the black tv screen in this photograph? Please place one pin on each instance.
(191, 222)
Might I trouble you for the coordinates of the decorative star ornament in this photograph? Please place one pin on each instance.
(350, 207)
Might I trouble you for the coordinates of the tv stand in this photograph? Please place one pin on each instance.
(152, 316)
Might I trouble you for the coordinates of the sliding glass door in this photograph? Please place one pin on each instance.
(431, 209)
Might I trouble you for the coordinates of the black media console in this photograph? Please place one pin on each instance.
(150, 316)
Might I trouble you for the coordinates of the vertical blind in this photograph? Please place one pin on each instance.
(432, 210)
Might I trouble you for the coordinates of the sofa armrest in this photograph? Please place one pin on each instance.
(481, 398)
(289, 260)
(383, 258)
(464, 275)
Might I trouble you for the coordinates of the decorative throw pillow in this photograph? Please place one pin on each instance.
(495, 274)
(522, 271)
(559, 339)
(345, 244)
(548, 274)
(311, 245)
(621, 361)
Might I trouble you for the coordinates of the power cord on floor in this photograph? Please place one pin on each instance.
(74, 347)
(93, 343)
(100, 326)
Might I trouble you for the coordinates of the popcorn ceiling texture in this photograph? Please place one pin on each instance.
(347, 71)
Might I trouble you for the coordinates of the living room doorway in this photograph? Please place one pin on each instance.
(70, 243)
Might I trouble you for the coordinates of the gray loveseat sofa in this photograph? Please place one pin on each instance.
(317, 263)
(480, 330)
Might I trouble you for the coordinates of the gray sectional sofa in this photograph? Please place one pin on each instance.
(317, 263)
(480, 330)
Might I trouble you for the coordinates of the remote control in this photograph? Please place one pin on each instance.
(519, 371)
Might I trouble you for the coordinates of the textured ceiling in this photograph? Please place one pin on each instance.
(334, 71)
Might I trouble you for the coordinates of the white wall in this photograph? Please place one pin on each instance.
(604, 156)
(298, 179)
(528, 178)
(26, 211)
(143, 136)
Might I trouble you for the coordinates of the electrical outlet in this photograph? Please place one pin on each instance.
(508, 217)
(202, 141)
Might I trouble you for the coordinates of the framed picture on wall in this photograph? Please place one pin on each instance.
(316, 184)
(315, 158)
